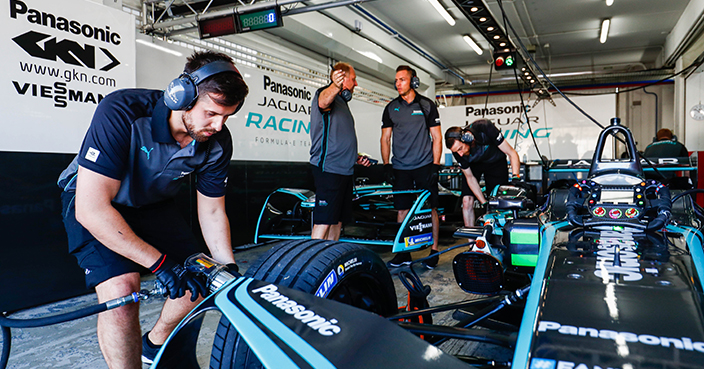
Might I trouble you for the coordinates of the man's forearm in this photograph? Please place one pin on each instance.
(476, 189)
(108, 226)
(327, 96)
(216, 228)
(385, 150)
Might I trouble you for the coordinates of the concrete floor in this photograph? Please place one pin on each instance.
(75, 345)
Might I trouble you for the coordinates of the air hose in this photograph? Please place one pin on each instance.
(7, 323)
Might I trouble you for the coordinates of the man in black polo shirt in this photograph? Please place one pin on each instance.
(333, 153)
(665, 146)
(480, 148)
(118, 204)
(413, 122)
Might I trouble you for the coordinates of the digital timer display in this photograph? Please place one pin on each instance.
(269, 18)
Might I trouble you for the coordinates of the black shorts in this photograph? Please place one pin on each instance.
(160, 225)
(423, 178)
(333, 197)
(494, 174)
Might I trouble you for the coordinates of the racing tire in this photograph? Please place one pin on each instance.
(304, 265)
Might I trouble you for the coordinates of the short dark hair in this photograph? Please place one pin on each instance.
(406, 67)
(226, 89)
(451, 135)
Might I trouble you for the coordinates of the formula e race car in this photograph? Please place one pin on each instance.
(607, 274)
(287, 214)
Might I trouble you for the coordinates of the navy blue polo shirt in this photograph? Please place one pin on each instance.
(129, 140)
(412, 145)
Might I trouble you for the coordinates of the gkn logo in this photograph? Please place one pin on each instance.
(69, 51)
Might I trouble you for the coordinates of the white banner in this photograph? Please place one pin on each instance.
(61, 58)
(274, 124)
(561, 131)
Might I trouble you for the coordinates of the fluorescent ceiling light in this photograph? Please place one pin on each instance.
(609, 2)
(473, 44)
(160, 48)
(442, 11)
(372, 56)
(604, 30)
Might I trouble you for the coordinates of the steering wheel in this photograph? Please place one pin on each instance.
(587, 189)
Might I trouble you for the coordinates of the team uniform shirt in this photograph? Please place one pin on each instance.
(665, 149)
(486, 148)
(129, 140)
(412, 145)
(333, 137)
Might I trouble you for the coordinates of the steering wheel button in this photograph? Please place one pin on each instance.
(631, 213)
(599, 211)
(615, 213)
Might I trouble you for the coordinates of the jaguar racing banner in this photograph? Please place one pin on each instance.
(274, 123)
(60, 58)
(560, 130)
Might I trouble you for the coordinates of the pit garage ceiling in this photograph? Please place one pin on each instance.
(645, 38)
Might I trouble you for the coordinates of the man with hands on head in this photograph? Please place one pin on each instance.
(413, 121)
(480, 148)
(118, 199)
(333, 153)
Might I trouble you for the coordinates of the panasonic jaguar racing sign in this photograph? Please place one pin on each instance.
(60, 59)
(560, 130)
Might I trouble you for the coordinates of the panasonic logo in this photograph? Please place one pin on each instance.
(682, 343)
(629, 268)
(318, 323)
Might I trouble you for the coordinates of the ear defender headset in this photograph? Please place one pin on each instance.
(464, 135)
(182, 92)
(415, 81)
(345, 94)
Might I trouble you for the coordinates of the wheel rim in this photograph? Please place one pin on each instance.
(362, 291)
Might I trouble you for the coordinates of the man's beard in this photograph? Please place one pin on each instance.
(198, 136)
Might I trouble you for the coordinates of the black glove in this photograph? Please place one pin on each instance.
(176, 279)
(389, 174)
(516, 180)
(233, 269)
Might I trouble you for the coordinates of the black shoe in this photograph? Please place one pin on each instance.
(149, 350)
(402, 258)
(433, 261)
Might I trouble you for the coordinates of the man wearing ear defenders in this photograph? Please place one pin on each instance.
(480, 148)
(333, 153)
(118, 198)
(412, 120)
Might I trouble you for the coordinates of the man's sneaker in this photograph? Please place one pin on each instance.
(433, 261)
(402, 258)
(149, 350)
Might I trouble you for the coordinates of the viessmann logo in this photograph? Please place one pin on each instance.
(299, 312)
(44, 46)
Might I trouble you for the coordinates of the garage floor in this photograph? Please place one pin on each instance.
(75, 344)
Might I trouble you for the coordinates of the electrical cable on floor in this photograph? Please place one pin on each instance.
(7, 323)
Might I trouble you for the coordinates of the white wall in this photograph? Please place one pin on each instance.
(262, 131)
(694, 94)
